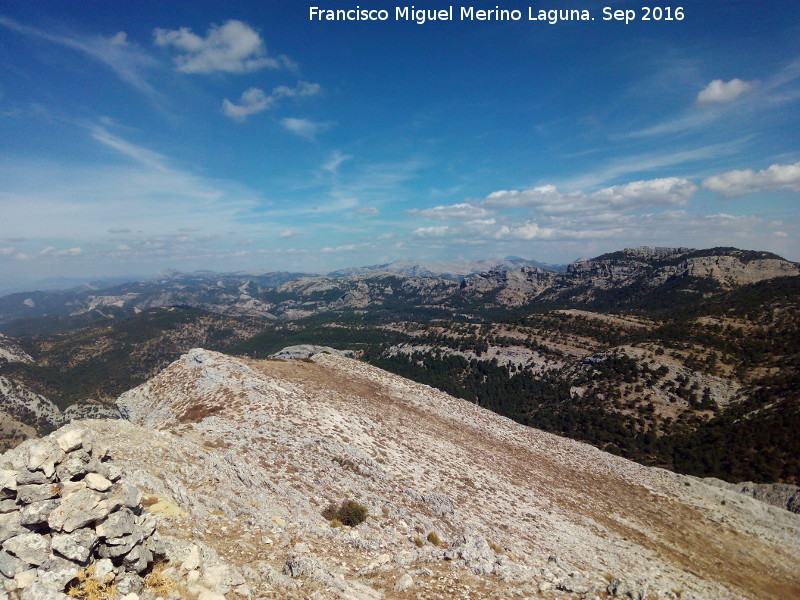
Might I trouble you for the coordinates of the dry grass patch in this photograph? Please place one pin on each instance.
(88, 587)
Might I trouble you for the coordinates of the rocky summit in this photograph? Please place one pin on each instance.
(328, 478)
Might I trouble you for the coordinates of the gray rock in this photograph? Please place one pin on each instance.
(73, 466)
(111, 472)
(11, 525)
(114, 547)
(138, 558)
(472, 548)
(72, 439)
(37, 591)
(403, 583)
(11, 565)
(147, 523)
(27, 494)
(8, 483)
(103, 567)
(38, 512)
(117, 524)
(129, 583)
(307, 351)
(77, 510)
(77, 545)
(43, 455)
(29, 547)
(124, 494)
(574, 582)
(26, 477)
(97, 482)
(7, 505)
(56, 572)
(626, 589)
(298, 565)
(70, 487)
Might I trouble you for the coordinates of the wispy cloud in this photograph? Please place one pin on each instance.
(334, 161)
(128, 61)
(645, 163)
(734, 99)
(454, 212)
(89, 202)
(305, 128)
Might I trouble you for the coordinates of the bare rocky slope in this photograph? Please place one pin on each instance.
(246, 455)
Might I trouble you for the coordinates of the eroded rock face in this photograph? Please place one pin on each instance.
(66, 507)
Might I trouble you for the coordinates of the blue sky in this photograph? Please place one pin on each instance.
(139, 136)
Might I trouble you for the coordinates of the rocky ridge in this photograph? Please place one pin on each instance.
(251, 452)
(647, 266)
(288, 296)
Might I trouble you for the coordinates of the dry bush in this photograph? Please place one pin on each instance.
(157, 582)
(87, 587)
(434, 538)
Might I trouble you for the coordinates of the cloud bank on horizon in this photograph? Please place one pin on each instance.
(139, 138)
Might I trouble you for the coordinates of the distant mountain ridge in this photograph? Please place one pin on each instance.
(622, 277)
(450, 269)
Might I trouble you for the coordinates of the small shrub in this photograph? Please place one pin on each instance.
(352, 513)
(336, 523)
(418, 541)
(331, 512)
(496, 548)
(157, 582)
(349, 513)
(87, 587)
(434, 538)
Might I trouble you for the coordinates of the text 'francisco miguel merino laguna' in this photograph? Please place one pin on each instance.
(464, 13)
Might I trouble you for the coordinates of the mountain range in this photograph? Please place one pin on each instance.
(680, 358)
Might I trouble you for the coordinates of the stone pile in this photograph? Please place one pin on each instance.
(66, 513)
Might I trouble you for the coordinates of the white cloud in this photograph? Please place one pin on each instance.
(303, 127)
(432, 232)
(335, 160)
(7, 251)
(366, 210)
(780, 234)
(120, 39)
(254, 100)
(637, 195)
(69, 252)
(738, 183)
(454, 212)
(233, 47)
(719, 91)
(285, 235)
(345, 248)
